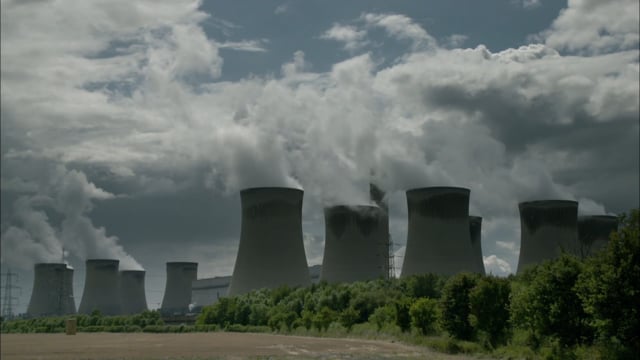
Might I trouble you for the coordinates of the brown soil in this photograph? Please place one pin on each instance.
(218, 345)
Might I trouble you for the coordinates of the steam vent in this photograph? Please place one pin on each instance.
(101, 288)
(52, 290)
(547, 227)
(132, 295)
(475, 232)
(594, 231)
(271, 251)
(353, 238)
(438, 239)
(177, 293)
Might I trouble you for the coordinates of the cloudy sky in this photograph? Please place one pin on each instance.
(129, 127)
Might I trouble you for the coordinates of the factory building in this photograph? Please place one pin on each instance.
(547, 228)
(355, 239)
(177, 292)
(52, 293)
(438, 239)
(271, 251)
(594, 232)
(132, 292)
(101, 288)
(475, 232)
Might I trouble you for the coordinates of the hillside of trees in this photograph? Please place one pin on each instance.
(565, 308)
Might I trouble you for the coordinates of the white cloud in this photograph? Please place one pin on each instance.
(281, 9)
(246, 45)
(401, 27)
(595, 26)
(455, 40)
(496, 266)
(352, 38)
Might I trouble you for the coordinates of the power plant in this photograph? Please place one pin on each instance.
(475, 232)
(271, 251)
(547, 228)
(52, 292)
(438, 239)
(354, 244)
(177, 293)
(594, 232)
(132, 294)
(101, 288)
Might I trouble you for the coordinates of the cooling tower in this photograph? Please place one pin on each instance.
(377, 195)
(52, 290)
(475, 232)
(101, 288)
(594, 231)
(271, 251)
(352, 247)
(132, 295)
(438, 238)
(177, 293)
(547, 228)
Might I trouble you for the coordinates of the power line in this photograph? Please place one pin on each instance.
(8, 299)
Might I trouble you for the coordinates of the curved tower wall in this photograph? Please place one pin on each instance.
(475, 232)
(271, 251)
(52, 292)
(132, 294)
(547, 228)
(377, 195)
(352, 248)
(438, 238)
(101, 287)
(594, 232)
(177, 293)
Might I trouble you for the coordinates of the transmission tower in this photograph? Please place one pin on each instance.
(8, 299)
(392, 255)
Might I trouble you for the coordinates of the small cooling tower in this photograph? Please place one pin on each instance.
(438, 238)
(594, 231)
(352, 248)
(547, 228)
(101, 288)
(132, 295)
(52, 290)
(177, 293)
(271, 251)
(475, 232)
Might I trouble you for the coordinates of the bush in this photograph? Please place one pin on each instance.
(382, 316)
(489, 301)
(456, 307)
(424, 314)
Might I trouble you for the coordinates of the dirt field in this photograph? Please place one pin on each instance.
(217, 345)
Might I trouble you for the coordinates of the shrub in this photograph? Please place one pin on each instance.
(424, 314)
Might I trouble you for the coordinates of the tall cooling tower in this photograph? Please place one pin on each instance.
(475, 232)
(377, 195)
(52, 290)
(547, 228)
(438, 238)
(352, 248)
(594, 231)
(177, 293)
(271, 251)
(132, 295)
(101, 287)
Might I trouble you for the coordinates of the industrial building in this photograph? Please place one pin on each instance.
(52, 293)
(475, 232)
(132, 292)
(101, 287)
(177, 293)
(271, 251)
(355, 244)
(438, 239)
(547, 228)
(594, 232)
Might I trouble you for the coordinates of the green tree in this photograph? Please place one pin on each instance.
(349, 317)
(424, 313)
(383, 315)
(489, 301)
(455, 306)
(609, 287)
(403, 318)
(323, 318)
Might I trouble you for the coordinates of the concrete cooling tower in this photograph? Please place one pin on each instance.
(547, 228)
(353, 247)
(177, 293)
(377, 196)
(271, 251)
(101, 288)
(475, 232)
(594, 231)
(52, 290)
(438, 239)
(132, 295)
